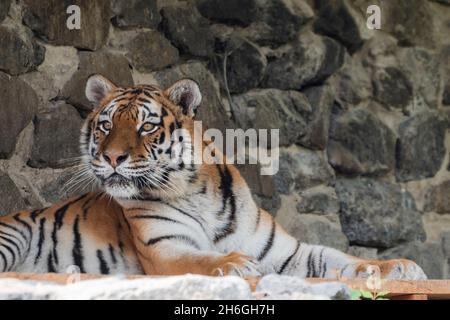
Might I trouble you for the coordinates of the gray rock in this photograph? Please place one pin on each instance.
(143, 57)
(442, 1)
(18, 105)
(240, 12)
(445, 242)
(446, 95)
(49, 21)
(245, 65)
(321, 200)
(437, 198)
(262, 187)
(340, 21)
(423, 68)
(4, 8)
(55, 185)
(287, 287)
(301, 169)
(283, 19)
(377, 214)
(429, 256)
(135, 13)
(363, 252)
(420, 146)
(392, 88)
(11, 199)
(410, 21)
(321, 99)
(268, 22)
(187, 287)
(310, 59)
(361, 144)
(53, 150)
(321, 230)
(188, 30)
(211, 111)
(354, 84)
(302, 118)
(113, 66)
(19, 52)
(273, 109)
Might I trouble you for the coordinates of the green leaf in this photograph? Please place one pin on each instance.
(355, 295)
(382, 293)
(367, 294)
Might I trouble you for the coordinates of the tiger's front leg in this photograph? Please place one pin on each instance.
(170, 243)
(175, 258)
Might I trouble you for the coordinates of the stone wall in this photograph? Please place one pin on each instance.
(363, 114)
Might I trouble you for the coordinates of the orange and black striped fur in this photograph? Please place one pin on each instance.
(159, 212)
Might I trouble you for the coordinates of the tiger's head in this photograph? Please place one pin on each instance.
(136, 139)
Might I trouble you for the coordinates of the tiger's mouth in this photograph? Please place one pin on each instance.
(119, 186)
(116, 180)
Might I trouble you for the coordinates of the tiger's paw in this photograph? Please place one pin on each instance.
(395, 269)
(236, 264)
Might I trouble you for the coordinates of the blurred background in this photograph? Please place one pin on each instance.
(364, 115)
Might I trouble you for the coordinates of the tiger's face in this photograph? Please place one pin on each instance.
(136, 141)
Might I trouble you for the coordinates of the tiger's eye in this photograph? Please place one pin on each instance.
(147, 127)
(106, 125)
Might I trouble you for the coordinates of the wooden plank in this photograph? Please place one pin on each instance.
(434, 289)
(411, 297)
(398, 289)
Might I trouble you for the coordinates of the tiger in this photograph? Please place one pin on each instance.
(157, 212)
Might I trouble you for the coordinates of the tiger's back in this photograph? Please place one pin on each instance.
(86, 233)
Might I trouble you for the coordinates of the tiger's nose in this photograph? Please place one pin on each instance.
(115, 158)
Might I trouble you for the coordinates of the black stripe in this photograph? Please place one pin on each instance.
(112, 254)
(13, 243)
(324, 271)
(171, 128)
(156, 217)
(162, 138)
(269, 242)
(25, 224)
(13, 237)
(320, 262)
(12, 253)
(186, 214)
(144, 100)
(286, 262)
(50, 265)
(58, 222)
(5, 262)
(28, 228)
(41, 240)
(226, 186)
(77, 251)
(258, 219)
(34, 214)
(180, 237)
(309, 264)
(313, 267)
(147, 93)
(104, 269)
(14, 228)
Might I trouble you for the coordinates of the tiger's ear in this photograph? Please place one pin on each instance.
(97, 87)
(186, 94)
